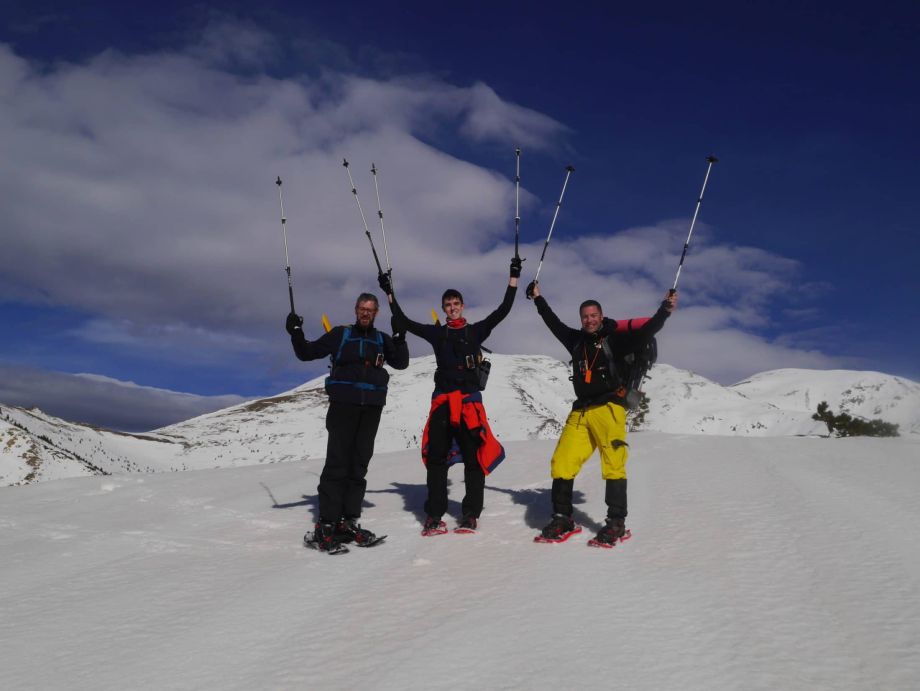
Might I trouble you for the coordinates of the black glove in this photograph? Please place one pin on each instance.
(294, 323)
(516, 263)
(385, 282)
(529, 291)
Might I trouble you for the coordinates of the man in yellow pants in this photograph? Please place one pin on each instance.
(598, 418)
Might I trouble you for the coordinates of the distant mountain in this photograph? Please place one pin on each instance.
(528, 397)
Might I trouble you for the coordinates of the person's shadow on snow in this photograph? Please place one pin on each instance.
(538, 506)
(414, 497)
(309, 501)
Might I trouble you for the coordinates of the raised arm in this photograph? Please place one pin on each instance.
(400, 322)
(566, 335)
(501, 312)
(654, 325)
(311, 350)
(486, 325)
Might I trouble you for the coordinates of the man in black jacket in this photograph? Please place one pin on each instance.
(357, 389)
(457, 415)
(598, 418)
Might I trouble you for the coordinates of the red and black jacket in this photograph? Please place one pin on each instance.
(596, 379)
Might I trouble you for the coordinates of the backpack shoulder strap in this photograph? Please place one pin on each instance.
(346, 334)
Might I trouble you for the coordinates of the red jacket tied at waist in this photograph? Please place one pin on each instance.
(468, 407)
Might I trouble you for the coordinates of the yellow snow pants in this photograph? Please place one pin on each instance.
(601, 426)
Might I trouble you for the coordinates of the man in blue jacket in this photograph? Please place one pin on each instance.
(357, 390)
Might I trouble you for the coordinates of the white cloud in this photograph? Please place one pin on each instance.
(139, 189)
(98, 400)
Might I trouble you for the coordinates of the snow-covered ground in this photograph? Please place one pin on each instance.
(756, 563)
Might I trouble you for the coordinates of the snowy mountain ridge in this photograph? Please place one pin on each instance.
(528, 398)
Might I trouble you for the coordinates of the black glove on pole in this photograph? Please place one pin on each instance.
(294, 323)
(385, 281)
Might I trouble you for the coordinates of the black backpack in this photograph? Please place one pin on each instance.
(632, 368)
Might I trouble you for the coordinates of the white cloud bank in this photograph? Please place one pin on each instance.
(103, 401)
(140, 190)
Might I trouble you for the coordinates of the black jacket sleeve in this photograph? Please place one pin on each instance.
(484, 327)
(413, 327)
(395, 352)
(325, 345)
(566, 335)
(654, 325)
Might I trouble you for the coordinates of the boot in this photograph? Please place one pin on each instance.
(434, 526)
(467, 524)
(348, 530)
(560, 529)
(614, 531)
(325, 540)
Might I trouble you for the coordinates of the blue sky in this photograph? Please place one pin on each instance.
(142, 247)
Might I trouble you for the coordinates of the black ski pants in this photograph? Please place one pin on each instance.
(352, 430)
(441, 435)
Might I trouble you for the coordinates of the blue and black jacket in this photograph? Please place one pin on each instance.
(357, 375)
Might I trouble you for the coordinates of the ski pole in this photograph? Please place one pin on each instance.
(517, 203)
(367, 231)
(383, 231)
(711, 159)
(568, 171)
(287, 262)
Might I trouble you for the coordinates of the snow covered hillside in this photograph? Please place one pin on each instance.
(755, 563)
(528, 397)
(861, 394)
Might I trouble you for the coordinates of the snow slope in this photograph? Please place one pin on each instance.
(861, 394)
(756, 563)
(528, 397)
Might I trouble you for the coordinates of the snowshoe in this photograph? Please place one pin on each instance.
(560, 529)
(467, 524)
(614, 531)
(434, 526)
(348, 531)
(324, 539)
